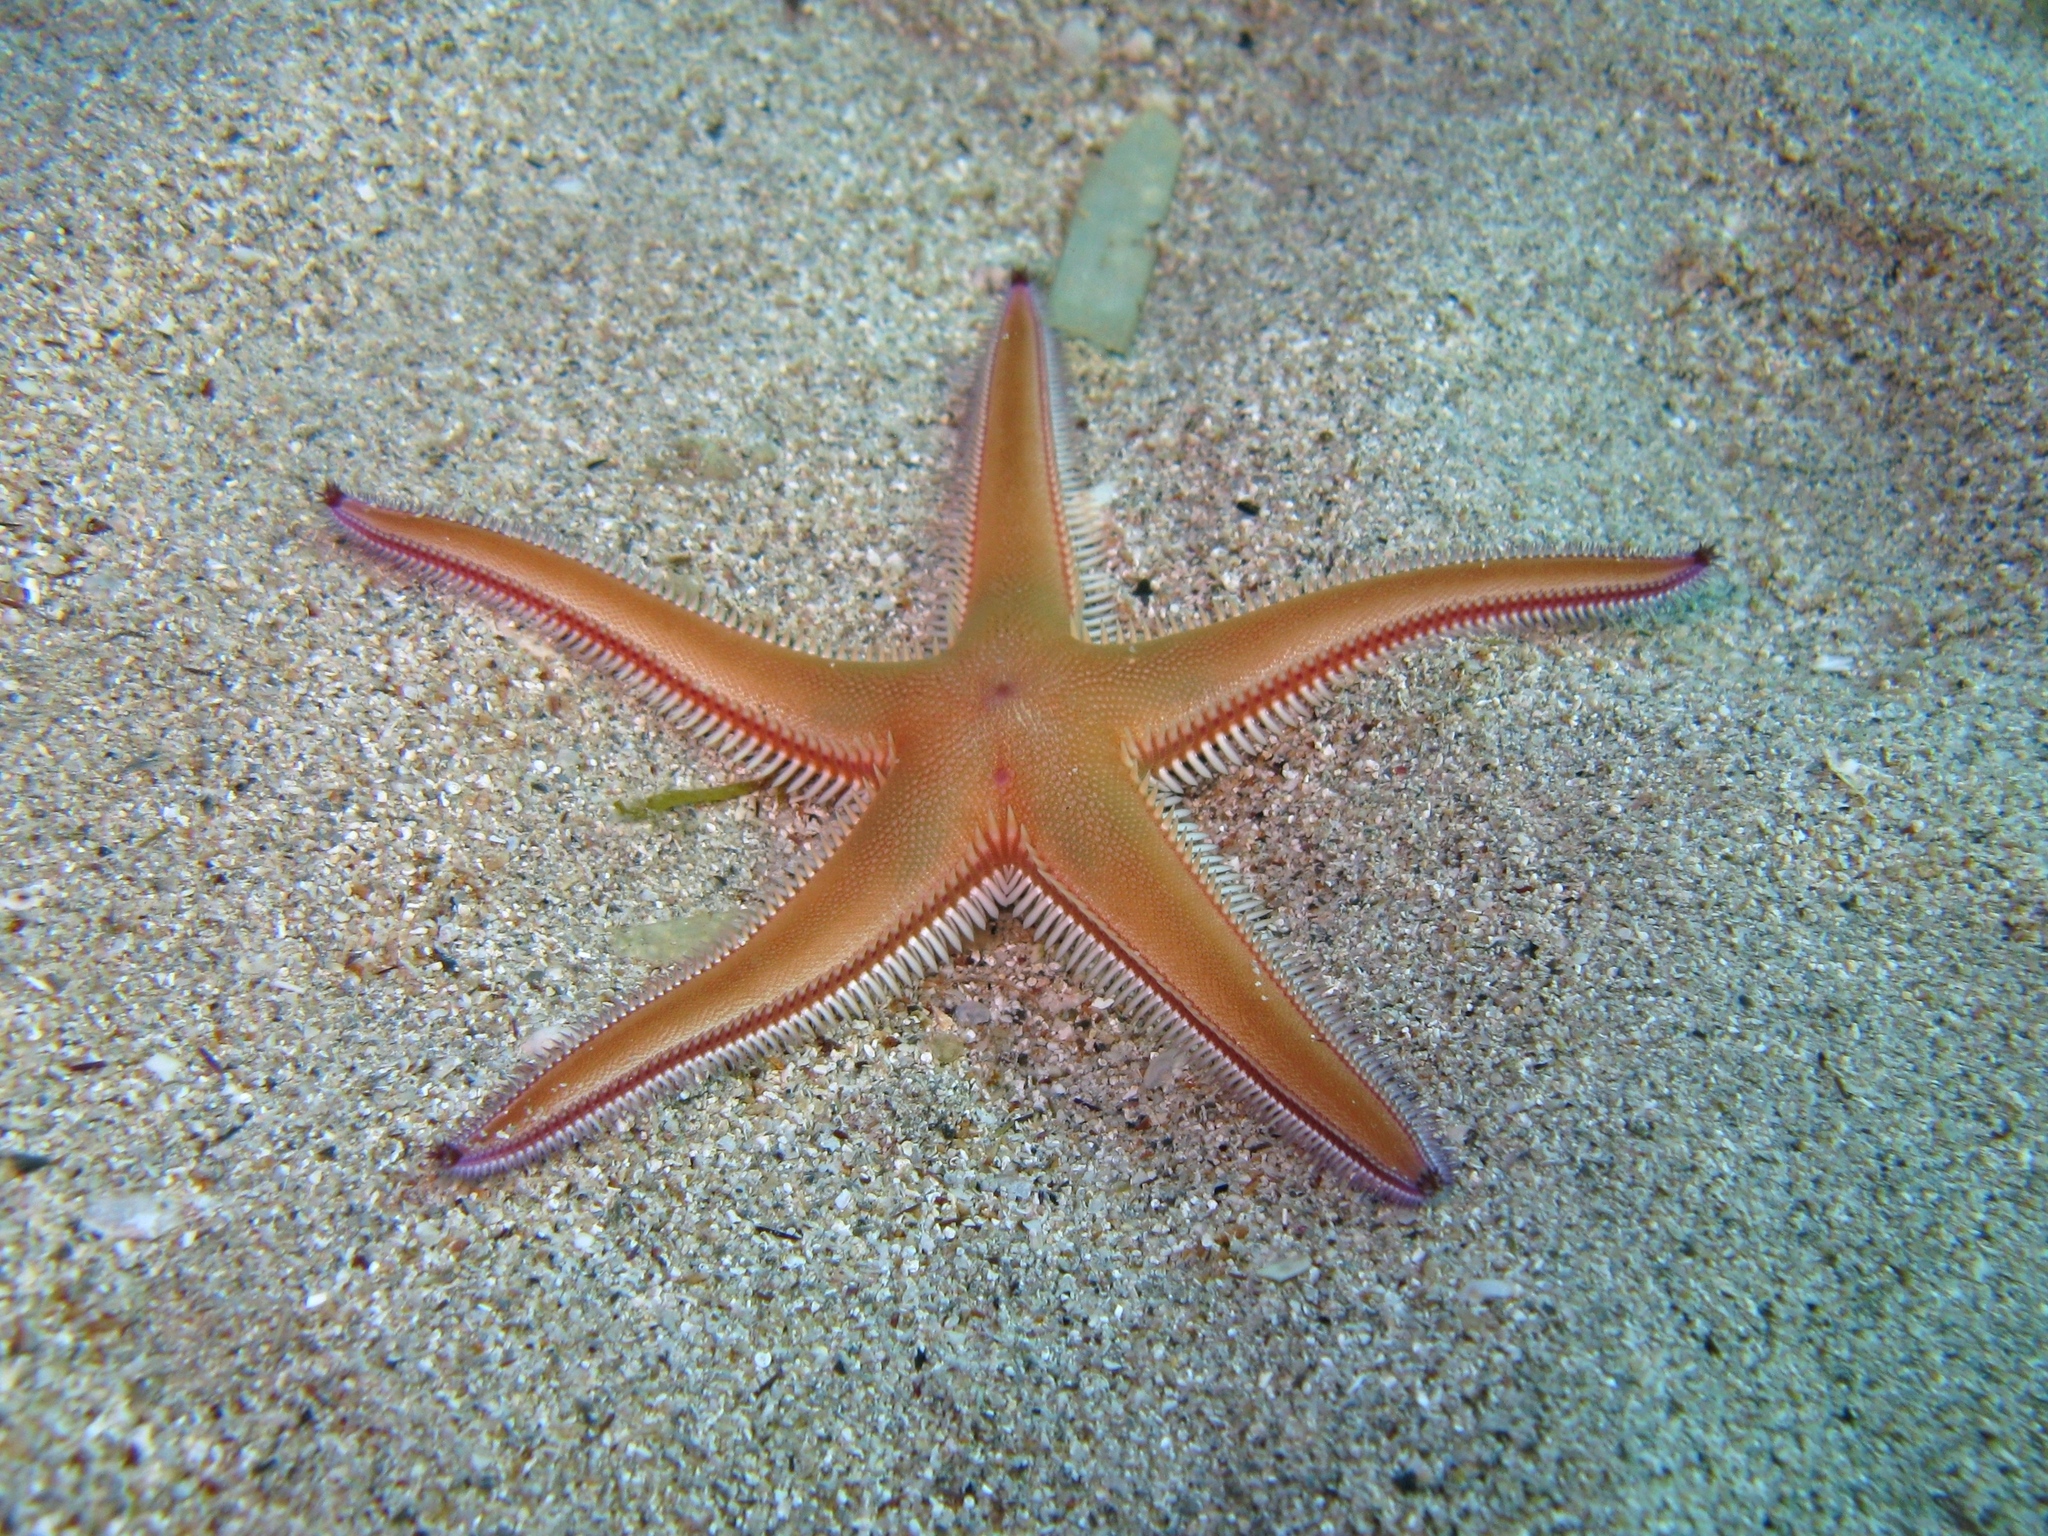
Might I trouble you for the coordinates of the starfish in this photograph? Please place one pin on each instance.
(1034, 761)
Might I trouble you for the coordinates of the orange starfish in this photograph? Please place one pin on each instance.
(1034, 761)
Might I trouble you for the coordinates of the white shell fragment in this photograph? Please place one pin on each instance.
(140, 1218)
(1855, 776)
(1490, 1289)
(1284, 1266)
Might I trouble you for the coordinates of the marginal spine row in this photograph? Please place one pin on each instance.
(1245, 736)
(1229, 891)
(755, 753)
(1087, 954)
(963, 522)
(894, 969)
(748, 920)
(1081, 521)
(1230, 736)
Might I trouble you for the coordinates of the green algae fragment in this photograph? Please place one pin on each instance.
(673, 799)
(1107, 263)
(673, 940)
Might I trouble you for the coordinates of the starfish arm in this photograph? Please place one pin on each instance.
(1212, 694)
(800, 720)
(892, 901)
(1024, 548)
(1129, 892)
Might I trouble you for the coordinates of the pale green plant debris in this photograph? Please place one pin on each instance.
(674, 939)
(1106, 265)
(675, 799)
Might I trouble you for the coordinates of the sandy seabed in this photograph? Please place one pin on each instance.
(1713, 938)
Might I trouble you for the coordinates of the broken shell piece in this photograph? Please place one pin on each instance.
(1160, 1070)
(1492, 1290)
(1284, 1266)
(139, 1218)
(1855, 776)
(543, 1042)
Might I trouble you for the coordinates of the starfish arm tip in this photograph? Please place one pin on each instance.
(1414, 1187)
(446, 1157)
(1411, 1189)
(1411, 1195)
(468, 1162)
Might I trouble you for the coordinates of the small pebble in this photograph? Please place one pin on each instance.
(1079, 41)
